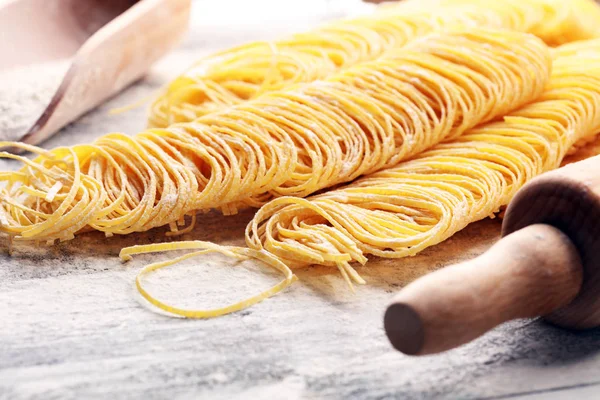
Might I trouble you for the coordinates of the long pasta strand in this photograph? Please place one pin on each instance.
(290, 142)
(402, 210)
(237, 75)
(240, 253)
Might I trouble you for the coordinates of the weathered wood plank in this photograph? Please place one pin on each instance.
(72, 326)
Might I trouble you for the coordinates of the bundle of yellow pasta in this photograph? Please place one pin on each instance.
(555, 21)
(242, 73)
(289, 142)
(400, 211)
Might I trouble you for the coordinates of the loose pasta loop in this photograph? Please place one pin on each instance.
(241, 253)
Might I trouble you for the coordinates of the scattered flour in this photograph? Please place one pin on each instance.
(25, 92)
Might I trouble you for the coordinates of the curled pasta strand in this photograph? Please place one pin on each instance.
(240, 253)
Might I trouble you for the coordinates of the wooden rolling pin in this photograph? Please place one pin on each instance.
(547, 264)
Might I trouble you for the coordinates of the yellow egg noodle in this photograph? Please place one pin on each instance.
(556, 22)
(265, 148)
(296, 141)
(240, 253)
(487, 96)
(236, 75)
(402, 210)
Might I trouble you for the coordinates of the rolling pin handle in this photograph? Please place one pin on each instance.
(529, 273)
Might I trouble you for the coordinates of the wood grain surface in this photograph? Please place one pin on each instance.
(72, 327)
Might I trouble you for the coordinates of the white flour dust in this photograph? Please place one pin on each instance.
(25, 92)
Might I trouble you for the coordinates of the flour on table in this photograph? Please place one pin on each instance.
(25, 92)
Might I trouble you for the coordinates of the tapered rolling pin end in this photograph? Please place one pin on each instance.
(404, 328)
(569, 200)
(535, 271)
(547, 264)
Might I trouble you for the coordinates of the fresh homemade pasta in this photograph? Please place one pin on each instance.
(291, 142)
(267, 124)
(398, 212)
(556, 22)
(245, 72)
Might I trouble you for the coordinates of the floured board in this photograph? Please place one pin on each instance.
(72, 326)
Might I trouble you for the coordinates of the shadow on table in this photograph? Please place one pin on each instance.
(384, 276)
(541, 343)
(212, 226)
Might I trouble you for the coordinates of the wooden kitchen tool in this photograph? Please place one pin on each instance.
(547, 264)
(111, 43)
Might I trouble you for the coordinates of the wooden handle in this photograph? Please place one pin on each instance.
(529, 273)
(568, 199)
(115, 56)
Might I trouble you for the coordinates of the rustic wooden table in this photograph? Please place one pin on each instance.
(72, 325)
